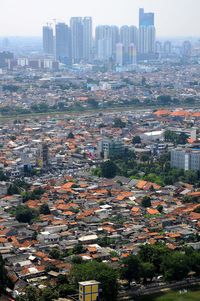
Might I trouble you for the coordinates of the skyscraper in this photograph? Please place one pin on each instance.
(132, 54)
(48, 40)
(145, 19)
(77, 38)
(147, 33)
(128, 35)
(81, 33)
(87, 38)
(167, 47)
(120, 54)
(104, 42)
(63, 43)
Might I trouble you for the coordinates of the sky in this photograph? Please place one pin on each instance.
(26, 17)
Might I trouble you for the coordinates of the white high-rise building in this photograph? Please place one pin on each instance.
(132, 54)
(120, 54)
(81, 38)
(147, 36)
(87, 38)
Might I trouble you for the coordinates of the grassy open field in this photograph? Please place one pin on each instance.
(191, 295)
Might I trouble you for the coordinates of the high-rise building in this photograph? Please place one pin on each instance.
(104, 52)
(167, 47)
(48, 40)
(186, 159)
(120, 54)
(115, 38)
(147, 33)
(76, 38)
(145, 19)
(87, 38)
(128, 35)
(132, 54)
(63, 43)
(186, 49)
(81, 34)
(158, 47)
(109, 35)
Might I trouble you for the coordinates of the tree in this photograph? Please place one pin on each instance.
(31, 293)
(183, 138)
(78, 249)
(108, 169)
(131, 268)
(146, 202)
(49, 294)
(24, 214)
(44, 209)
(148, 271)
(70, 135)
(160, 208)
(3, 275)
(197, 210)
(55, 253)
(153, 254)
(136, 140)
(13, 189)
(100, 272)
(118, 123)
(175, 266)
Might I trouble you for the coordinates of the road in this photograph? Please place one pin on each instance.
(150, 290)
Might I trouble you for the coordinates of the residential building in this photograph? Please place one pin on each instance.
(186, 159)
(48, 40)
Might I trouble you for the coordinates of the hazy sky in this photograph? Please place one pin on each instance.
(26, 17)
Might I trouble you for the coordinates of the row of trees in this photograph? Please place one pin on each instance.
(154, 260)
(158, 171)
(151, 261)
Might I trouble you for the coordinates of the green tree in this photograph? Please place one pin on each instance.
(44, 209)
(146, 202)
(78, 249)
(147, 271)
(25, 214)
(175, 266)
(118, 123)
(109, 169)
(49, 294)
(55, 253)
(100, 272)
(153, 254)
(136, 140)
(131, 268)
(70, 135)
(160, 208)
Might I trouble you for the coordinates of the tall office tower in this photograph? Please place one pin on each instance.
(104, 42)
(104, 52)
(158, 47)
(145, 19)
(63, 43)
(186, 49)
(128, 35)
(147, 33)
(76, 26)
(134, 35)
(48, 40)
(132, 54)
(87, 38)
(167, 47)
(120, 54)
(115, 38)
(143, 40)
(151, 32)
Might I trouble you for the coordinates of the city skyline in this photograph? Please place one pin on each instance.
(104, 12)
